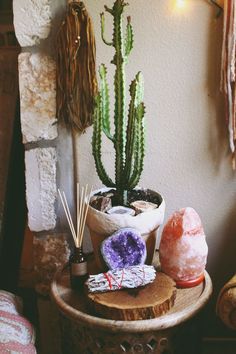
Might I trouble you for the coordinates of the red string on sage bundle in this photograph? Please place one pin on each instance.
(129, 278)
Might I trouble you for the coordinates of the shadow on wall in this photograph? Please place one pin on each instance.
(218, 143)
(5, 5)
(221, 270)
(224, 265)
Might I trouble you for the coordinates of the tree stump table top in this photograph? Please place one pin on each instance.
(74, 306)
(150, 301)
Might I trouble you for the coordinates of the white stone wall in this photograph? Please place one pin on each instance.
(37, 83)
(50, 254)
(41, 190)
(37, 80)
(32, 21)
(40, 130)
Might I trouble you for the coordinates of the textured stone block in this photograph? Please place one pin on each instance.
(41, 188)
(32, 21)
(37, 80)
(51, 253)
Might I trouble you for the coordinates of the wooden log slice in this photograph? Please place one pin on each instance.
(151, 301)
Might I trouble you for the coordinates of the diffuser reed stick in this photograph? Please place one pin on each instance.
(82, 204)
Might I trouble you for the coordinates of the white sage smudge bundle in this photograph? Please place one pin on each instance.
(228, 72)
(128, 278)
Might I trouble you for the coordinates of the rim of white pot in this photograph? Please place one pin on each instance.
(145, 222)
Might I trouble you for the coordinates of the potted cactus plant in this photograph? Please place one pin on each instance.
(128, 140)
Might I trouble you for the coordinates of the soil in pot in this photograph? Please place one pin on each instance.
(103, 201)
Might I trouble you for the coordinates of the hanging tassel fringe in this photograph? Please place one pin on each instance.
(76, 69)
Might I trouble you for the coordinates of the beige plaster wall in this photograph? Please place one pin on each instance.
(178, 51)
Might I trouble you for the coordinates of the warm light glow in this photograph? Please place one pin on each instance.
(180, 3)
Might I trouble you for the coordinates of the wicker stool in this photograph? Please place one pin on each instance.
(85, 333)
(226, 304)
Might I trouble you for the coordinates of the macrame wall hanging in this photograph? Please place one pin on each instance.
(228, 72)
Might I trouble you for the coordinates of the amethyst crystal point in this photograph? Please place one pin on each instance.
(123, 249)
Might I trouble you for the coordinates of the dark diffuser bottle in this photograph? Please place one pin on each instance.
(78, 269)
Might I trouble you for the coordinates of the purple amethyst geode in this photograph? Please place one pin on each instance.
(123, 249)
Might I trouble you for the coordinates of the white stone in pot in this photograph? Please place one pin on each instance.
(102, 225)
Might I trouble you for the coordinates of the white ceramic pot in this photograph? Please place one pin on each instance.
(102, 225)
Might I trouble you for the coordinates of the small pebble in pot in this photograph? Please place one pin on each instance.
(141, 206)
(121, 210)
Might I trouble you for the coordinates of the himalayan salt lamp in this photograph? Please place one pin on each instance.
(183, 248)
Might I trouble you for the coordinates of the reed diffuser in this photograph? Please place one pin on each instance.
(78, 261)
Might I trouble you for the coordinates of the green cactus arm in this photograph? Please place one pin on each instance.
(129, 151)
(102, 17)
(117, 8)
(129, 38)
(97, 144)
(139, 147)
(105, 102)
(109, 10)
(119, 85)
(128, 138)
(132, 132)
(139, 92)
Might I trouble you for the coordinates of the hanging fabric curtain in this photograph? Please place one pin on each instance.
(228, 72)
(76, 68)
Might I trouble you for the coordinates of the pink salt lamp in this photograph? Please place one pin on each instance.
(183, 248)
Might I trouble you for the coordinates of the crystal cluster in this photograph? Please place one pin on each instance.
(123, 249)
(183, 248)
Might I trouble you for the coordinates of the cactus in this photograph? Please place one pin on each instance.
(128, 137)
